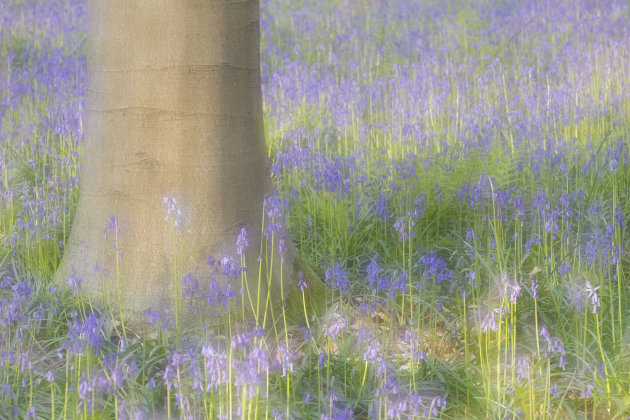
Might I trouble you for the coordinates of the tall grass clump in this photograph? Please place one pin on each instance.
(456, 173)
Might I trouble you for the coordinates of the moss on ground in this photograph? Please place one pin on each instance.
(312, 299)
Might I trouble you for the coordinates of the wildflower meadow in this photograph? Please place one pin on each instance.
(456, 173)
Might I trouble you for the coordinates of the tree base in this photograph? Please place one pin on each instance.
(298, 305)
(312, 299)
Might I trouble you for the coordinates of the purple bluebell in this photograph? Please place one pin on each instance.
(519, 208)
(301, 283)
(380, 208)
(31, 413)
(435, 266)
(595, 209)
(619, 217)
(564, 268)
(173, 212)
(587, 391)
(489, 322)
(190, 286)
(151, 317)
(514, 290)
(418, 206)
(240, 341)
(593, 296)
(241, 241)
(74, 281)
(373, 271)
(534, 288)
(539, 202)
(523, 367)
(322, 360)
(337, 278)
(533, 240)
(472, 278)
(216, 364)
(82, 334)
(112, 226)
(335, 328)
(437, 193)
(550, 220)
(308, 334)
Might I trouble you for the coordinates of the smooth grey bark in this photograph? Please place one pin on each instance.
(173, 109)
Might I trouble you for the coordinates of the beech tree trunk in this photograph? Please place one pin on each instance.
(173, 109)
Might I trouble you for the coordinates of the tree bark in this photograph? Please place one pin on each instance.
(173, 109)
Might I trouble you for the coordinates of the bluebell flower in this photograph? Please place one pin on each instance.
(549, 219)
(489, 322)
(308, 334)
(539, 203)
(84, 333)
(436, 266)
(49, 376)
(595, 209)
(619, 217)
(534, 288)
(400, 227)
(151, 317)
(216, 366)
(74, 281)
(373, 271)
(472, 278)
(240, 341)
(241, 241)
(31, 413)
(519, 208)
(322, 360)
(273, 206)
(337, 278)
(533, 240)
(190, 286)
(522, 369)
(301, 283)
(332, 396)
(418, 206)
(593, 296)
(112, 226)
(173, 212)
(371, 354)
(564, 268)
(21, 291)
(587, 391)
(514, 290)
(286, 359)
(229, 268)
(437, 193)
(545, 334)
(380, 208)
(566, 203)
(335, 328)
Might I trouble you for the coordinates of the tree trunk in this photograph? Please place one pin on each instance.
(174, 110)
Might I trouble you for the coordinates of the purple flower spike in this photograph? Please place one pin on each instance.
(241, 241)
